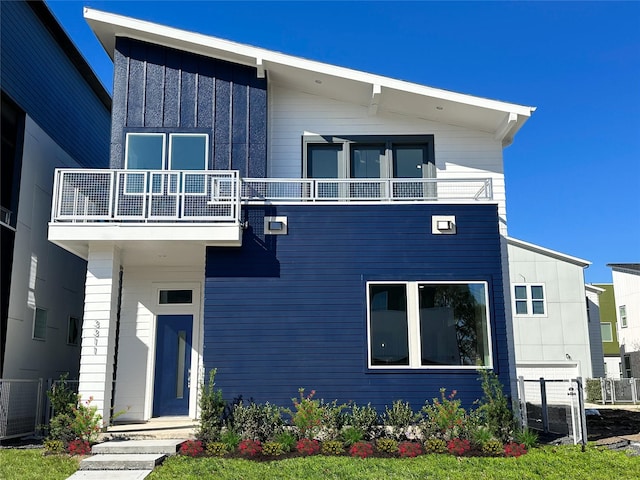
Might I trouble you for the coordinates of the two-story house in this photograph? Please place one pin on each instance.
(289, 223)
(626, 288)
(609, 327)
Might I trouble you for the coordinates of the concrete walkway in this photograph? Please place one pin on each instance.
(132, 451)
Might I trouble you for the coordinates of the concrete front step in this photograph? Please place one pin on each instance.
(166, 447)
(110, 475)
(123, 461)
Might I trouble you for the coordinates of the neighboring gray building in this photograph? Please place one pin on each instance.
(549, 302)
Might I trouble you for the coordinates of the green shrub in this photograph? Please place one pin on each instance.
(308, 414)
(273, 449)
(364, 418)
(211, 409)
(492, 447)
(481, 435)
(60, 428)
(351, 435)
(86, 422)
(494, 409)
(398, 418)
(54, 447)
(217, 449)
(332, 419)
(332, 447)
(435, 445)
(387, 445)
(257, 421)
(529, 438)
(445, 417)
(287, 440)
(231, 439)
(593, 390)
(63, 399)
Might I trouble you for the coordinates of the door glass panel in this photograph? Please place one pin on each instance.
(389, 328)
(144, 151)
(182, 343)
(408, 161)
(188, 152)
(365, 161)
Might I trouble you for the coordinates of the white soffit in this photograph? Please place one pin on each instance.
(499, 118)
(548, 252)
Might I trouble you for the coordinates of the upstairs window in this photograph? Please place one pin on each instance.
(40, 324)
(529, 300)
(148, 151)
(623, 316)
(428, 325)
(371, 156)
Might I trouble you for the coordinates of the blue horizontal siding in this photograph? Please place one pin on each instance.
(285, 312)
(41, 77)
(166, 90)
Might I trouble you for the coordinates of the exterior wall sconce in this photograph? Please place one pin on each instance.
(443, 225)
(275, 225)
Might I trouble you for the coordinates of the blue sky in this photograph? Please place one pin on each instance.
(573, 171)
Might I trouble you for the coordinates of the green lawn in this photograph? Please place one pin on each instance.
(33, 465)
(560, 463)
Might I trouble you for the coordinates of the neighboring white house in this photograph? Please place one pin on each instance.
(550, 321)
(626, 287)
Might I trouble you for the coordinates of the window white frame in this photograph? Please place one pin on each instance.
(167, 144)
(148, 134)
(622, 310)
(606, 332)
(413, 326)
(39, 315)
(172, 136)
(528, 300)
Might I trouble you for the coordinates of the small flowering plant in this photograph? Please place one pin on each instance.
(361, 449)
(308, 414)
(458, 446)
(79, 447)
(409, 449)
(306, 446)
(191, 448)
(86, 421)
(250, 448)
(514, 449)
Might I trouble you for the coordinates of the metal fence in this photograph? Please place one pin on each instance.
(85, 195)
(370, 189)
(620, 390)
(554, 406)
(20, 407)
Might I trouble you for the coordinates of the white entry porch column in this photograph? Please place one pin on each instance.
(99, 327)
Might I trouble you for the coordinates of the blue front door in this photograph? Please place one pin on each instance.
(173, 365)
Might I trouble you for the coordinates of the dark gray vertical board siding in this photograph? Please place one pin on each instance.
(173, 91)
(38, 74)
(284, 312)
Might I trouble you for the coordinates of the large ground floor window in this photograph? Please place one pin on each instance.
(428, 324)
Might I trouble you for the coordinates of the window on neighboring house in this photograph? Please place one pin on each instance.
(372, 156)
(40, 324)
(73, 331)
(623, 316)
(627, 366)
(529, 299)
(428, 325)
(607, 332)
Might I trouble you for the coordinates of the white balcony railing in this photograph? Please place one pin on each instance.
(370, 189)
(85, 195)
(146, 195)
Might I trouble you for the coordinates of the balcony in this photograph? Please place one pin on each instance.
(131, 206)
